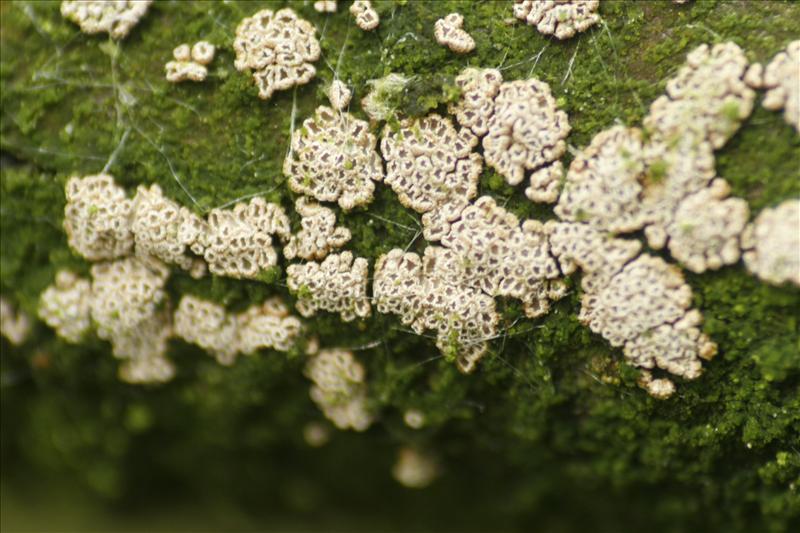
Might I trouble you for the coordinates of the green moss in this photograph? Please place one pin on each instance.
(550, 433)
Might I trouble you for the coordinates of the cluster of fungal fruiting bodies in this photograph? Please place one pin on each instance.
(279, 48)
(339, 388)
(366, 17)
(319, 233)
(561, 18)
(190, 63)
(448, 32)
(116, 18)
(781, 78)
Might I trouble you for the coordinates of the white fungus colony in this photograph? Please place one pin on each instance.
(772, 244)
(339, 388)
(333, 159)
(338, 285)
(65, 306)
(781, 78)
(190, 63)
(319, 233)
(14, 326)
(366, 17)
(448, 32)
(415, 469)
(325, 6)
(116, 18)
(279, 48)
(432, 169)
(562, 18)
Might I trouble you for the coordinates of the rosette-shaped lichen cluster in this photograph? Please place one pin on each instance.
(65, 306)
(339, 389)
(428, 293)
(432, 169)
(449, 32)
(190, 63)
(279, 48)
(116, 18)
(561, 18)
(319, 233)
(772, 244)
(781, 78)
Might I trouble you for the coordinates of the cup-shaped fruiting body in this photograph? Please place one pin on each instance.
(279, 48)
(268, 325)
(339, 95)
(526, 130)
(190, 63)
(706, 100)
(705, 231)
(97, 218)
(562, 18)
(366, 17)
(116, 18)
(14, 326)
(339, 389)
(65, 306)
(209, 326)
(772, 244)
(415, 469)
(429, 294)
(319, 233)
(165, 230)
(338, 285)
(333, 159)
(448, 32)
(325, 6)
(432, 169)
(503, 258)
(238, 242)
(782, 79)
(475, 106)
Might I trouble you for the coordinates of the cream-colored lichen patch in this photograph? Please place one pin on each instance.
(209, 326)
(561, 18)
(772, 244)
(238, 242)
(65, 306)
(503, 258)
(14, 325)
(269, 325)
(339, 95)
(339, 388)
(526, 129)
(338, 285)
(325, 6)
(449, 32)
(115, 17)
(319, 233)
(190, 63)
(366, 17)
(414, 468)
(429, 294)
(475, 106)
(97, 218)
(278, 48)
(333, 159)
(432, 169)
(782, 79)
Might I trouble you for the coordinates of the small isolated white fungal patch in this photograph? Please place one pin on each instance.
(432, 169)
(209, 326)
(339, 95)
(381, 100)
(190, 64)
(268, 325)
(339, 389)
(782, 79)
(562, 18)
(429, 294)
(475, 106)
(338, 285)
(772, 244)
(325, 6)
(279, 48)
(238, 242)
(449, 32)
(415, 469)
(526, 130)
(65, 306)
(333, 159)
(14, 326)
(503, 258)
(366, 17)
(316, 434)
(704, 233)
(319, 233)
(165, 230)
(706, 100)
(97, 218)
(660, 388)
(127, 308)
(116, 18)
(414, 418)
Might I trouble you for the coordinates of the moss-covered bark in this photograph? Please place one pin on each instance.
(551, 432)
